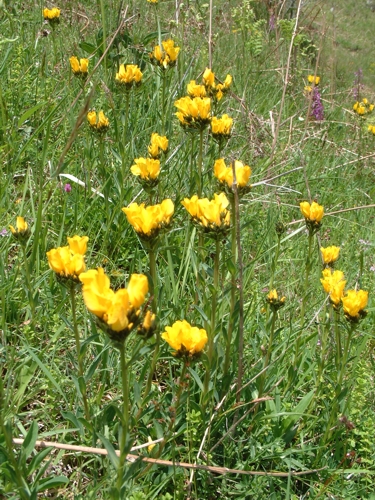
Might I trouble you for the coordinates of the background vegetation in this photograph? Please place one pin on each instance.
(315, 415)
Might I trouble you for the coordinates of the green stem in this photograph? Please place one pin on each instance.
(163, 113)
(125, 417)
(153, 285)
(200, 163)
(79, 354)
(304, 296)
(28, 281)
(104, 32)
(269, 353)
(233, 273)
(338, 339)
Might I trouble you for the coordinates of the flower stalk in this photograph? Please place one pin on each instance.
(125, 417)
(72, 292)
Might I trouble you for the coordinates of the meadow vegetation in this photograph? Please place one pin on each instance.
(186, 234)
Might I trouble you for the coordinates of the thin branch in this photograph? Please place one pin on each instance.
(168, 463)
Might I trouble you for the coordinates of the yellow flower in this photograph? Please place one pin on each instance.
(371, 128)
(152, 1)
(222, 88)
(334, 284)
(225, 174)
(65, 263)
(78, 244)
(166, 56)
(159, 144)
(147, 328)
(79, 68)
(194, 112)
(354, 303)
(148, 221)
(195, 90)
(99, 123)
(129, 75)
(137, 289)
(312, 213)
(363, 108)
(274, 301)
(221, 127)
(51, 15)
(146, 168)
(118, 311)
(330, 254)
(209, 78)
(212, 215)
(21, 227)
(185, 339)
(151, 446)
(313, 79)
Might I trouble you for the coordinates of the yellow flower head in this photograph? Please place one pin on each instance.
(194, 113)
(363, 108)
(195, 90)
(117, 312)
(152, 1)
(52, 15)
(209, 79)
(225, 174)
(79, 67)
(99, 123)
(159, 144)
(313, 215)
(212, 215)
(21, 232)
(129, 75)
(334, 284)
(147, 328)
(147, 169)
(313, 79)
(274, 301)
(222, 88)
(188, 341)
(166, 56)
(149, 221)
(68, 262)
(354, 304)
(221, 128)
(330, 254)
(371, 128)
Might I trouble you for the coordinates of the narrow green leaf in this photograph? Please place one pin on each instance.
(30, 439)
(111, 451)
(29, 112)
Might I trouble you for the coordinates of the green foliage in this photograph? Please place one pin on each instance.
(306, 401)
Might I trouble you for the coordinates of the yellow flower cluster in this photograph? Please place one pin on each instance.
(216, 90)
(68, 262)
(129, 75)
(147, 169)
(212, 215)
(221, 128)
(330, 255)
(79, 67)
(188, 341)
(225, 174)
(22, 230)
(99, 123)
(152, 1)
(158, 145)
(149, 221)
(194, 112)
(333, 284)
(354, 304)
(313, 215)
(274, 300)
(118, 311)
(166, 56)
(371, 128)
(313, 79)
(363, 108)
(51, 15)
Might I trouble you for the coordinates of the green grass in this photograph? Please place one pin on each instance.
(315, 416)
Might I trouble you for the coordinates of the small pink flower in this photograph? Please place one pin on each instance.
(67, 188)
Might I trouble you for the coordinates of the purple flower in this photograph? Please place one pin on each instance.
(317, 110)
(3, 232)
(67, 188)
(271, 23)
